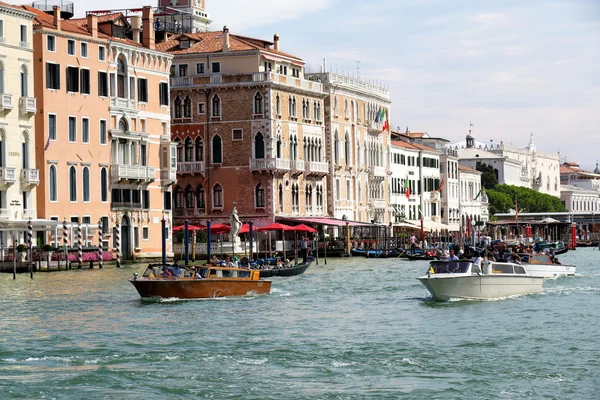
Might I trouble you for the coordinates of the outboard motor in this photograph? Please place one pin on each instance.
(486, 267)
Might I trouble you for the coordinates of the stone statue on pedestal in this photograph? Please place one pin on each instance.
(236, 224)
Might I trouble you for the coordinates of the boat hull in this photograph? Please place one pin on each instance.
(480, 287)
(292, 271)
(151, 289)
(550, 270)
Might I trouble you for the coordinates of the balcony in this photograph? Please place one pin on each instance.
(6, 101)
(168, 176)
(132, 172)
(377, 172)
(29, 214)
(122, 104)
(378, 203)
(275, 165)
(296, 167)
(126, 205)
(8, 176)
(27, 105)
(191, 167)
(316, 168)
(30, 177)
(4, 213)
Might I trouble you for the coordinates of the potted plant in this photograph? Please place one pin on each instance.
(47, 249)
(22, 249)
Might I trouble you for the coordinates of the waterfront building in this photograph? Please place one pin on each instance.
(19, 176)
(102, 129)
(473, 202)
(181, 16)
(579, 199)
(357, 127)
(572, 174)
(450, 193)
(249, 129)
(512, 165)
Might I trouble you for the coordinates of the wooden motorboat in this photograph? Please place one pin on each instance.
(480, 280)
(286, 271)
(544, 265)
(207, 281)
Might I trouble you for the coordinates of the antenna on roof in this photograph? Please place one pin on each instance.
(358, 69)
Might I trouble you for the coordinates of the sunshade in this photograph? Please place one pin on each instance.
(276, 227)
(304, 228)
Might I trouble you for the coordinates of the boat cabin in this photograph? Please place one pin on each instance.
(484, 267)
(538, 258)
(160, 271)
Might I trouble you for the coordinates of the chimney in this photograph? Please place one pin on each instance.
(136, 26)
(276, 42)
(92, 24)
(148, 28)
(57, 17)
(225, 39)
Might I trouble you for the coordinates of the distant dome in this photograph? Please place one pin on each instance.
(597, 170)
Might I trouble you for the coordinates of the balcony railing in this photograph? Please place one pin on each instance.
(6, 101)
(297, 166)
(134, 172)
(377, 172)
(169, 175)
(119, 102)
(4, 213)
(8, 175)
(316, 167)
(377, 203)
(188, 167)
(116, 205)
(27, 105)
(29, 213)
(30, 176)
(269, 164)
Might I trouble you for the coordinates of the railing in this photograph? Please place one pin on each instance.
(4, 213)
(126, 205)
(133, 172)
(328, 77)
(269, 164)
(181, 81)
(297, 165)
(8, 175)
(378, 203)
(6, 101)
(317, 167)
(376, 171)
(30, 176)
(191, 166)
(216, 79)
(168, 175)
(27, 105)
(122, 103)
(29, 213)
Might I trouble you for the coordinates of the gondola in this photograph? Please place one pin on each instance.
(416, 257)
(291, 271)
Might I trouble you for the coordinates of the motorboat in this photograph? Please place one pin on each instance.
(207, 281)
(293, 270)
(545, 265)
(479, 280)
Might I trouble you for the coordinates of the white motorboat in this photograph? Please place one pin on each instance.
(545, 266)
(480, 280)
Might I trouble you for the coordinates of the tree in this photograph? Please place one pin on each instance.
(502, 200)
(488, 177)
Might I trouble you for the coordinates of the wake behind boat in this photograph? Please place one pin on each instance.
(480, 280)
(207, 281)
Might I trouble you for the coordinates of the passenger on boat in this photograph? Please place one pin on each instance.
(279, 264)
(287, 264)
(198, 275)
(214, 260)
(175, 269)
(166, 271)
(451, 256)
(244, 263)
(537, 247)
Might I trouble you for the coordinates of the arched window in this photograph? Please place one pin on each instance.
(258, 103)
(24, 84)
(189, 150)
(259, 146)
(199, 149)
(25, 150)
(217, 150)
(178, 195)
(278, 104)
(86, 184)
(279, 145)
(103, 185)
(315, 113)
(259, 194)
(347, 149)
(72, 184)
(336, 148)
(187, 107)
(335, 107)
(177, 107)
(217, 196)
(290, 107)
(189, 198)
(294, 107)
(123, 126)
(200, 198)
(346, 109)
(280, 197)
(216, 106)
(121, 78)
(53, 183)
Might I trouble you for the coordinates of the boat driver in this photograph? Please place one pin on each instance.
(452, 256)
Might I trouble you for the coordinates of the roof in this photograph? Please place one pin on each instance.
(3, 4)
(412, 146)
(571, 164)
(573, 188)
(212, 42)
(566, 170)
(472, 152)
(467, 169)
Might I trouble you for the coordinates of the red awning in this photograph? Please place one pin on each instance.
(330, 221)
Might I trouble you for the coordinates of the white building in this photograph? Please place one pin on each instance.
(579, 199)
(18, 174)
(473, 202)
(450, 194)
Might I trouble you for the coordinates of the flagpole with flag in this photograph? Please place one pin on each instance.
(47, 143)
(406, 187)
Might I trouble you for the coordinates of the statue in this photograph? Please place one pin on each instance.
(236, 224)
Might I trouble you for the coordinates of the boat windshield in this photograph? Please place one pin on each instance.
(450, 267)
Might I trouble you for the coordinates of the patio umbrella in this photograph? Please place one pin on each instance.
(190, 227)
(276, 226)
(220, 228)
(304, 228)
(246, 228)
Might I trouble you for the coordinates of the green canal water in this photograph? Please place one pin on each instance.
(352, 329)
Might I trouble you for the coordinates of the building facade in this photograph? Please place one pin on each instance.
(473, 202)
(102, 130)
(358, 148)
(19, 175)
(249, 129)
(578, 199)
(450, 193)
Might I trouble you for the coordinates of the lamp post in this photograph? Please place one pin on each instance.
(325, 240)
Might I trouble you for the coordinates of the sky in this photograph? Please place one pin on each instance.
(509, 67)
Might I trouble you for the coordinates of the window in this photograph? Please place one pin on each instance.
(260, 195)
(1, 30)
(216, 67)
(217, 150)
(237, 134)
(216, 106)
(103, 185)
(201, 108)
(132, 88)
(101, 53)
(71, 47)
(85, 81)
(72, 184)
(187, 107)
(72, 129)
(278, 104)
(53, 183)
(72, 79)
(142, 90)
(50, 43)
(177, 107)
(24, 81)
(258, 103)
(112, 85)
(218, 196)
(102, 131)
(146, 199)
(183, 69)
(145, 233)
(52, 126)
(121, 78)
(164, 93)
(102, 84)
(85, 130)
(84, 49)
(52, 76)
(167, 200)
(86, 184)
(24, 35)
(200, 68)
(143, 156)
(259, 146)
(200, 198)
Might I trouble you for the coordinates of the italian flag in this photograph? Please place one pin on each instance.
(406, 187)
(385, 118)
